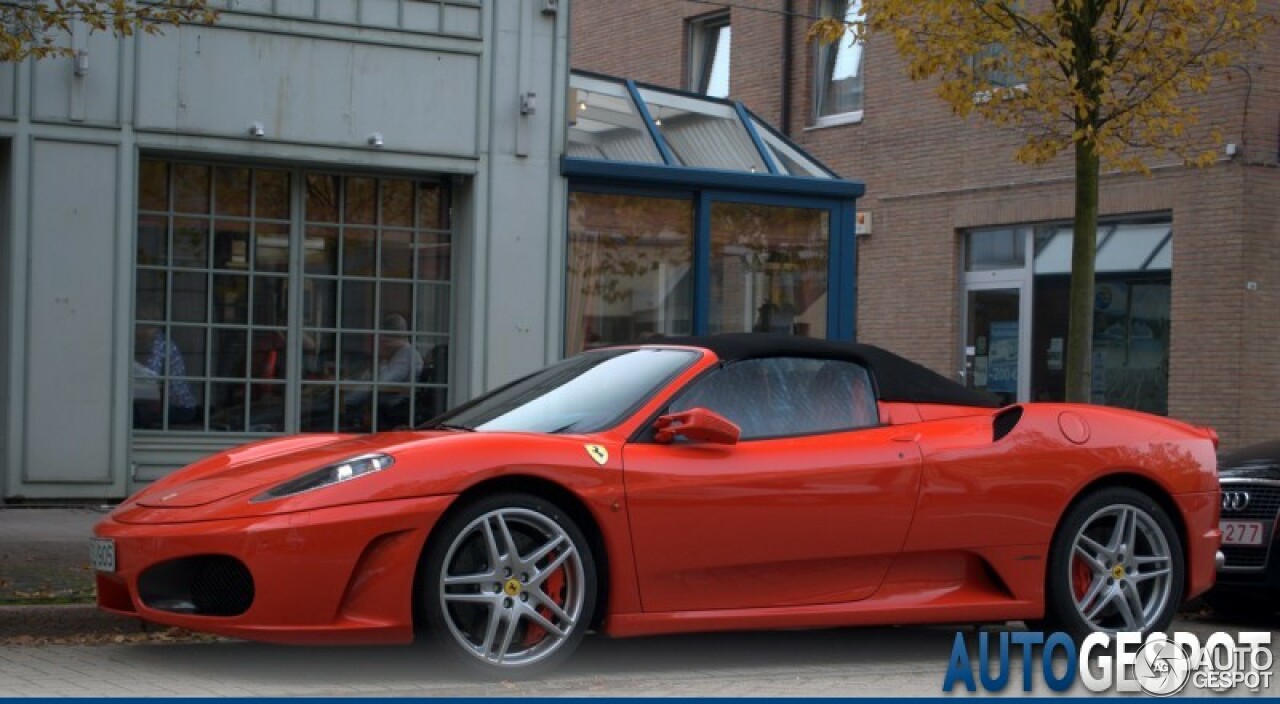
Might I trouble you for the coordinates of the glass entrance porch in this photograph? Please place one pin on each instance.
(689, 214)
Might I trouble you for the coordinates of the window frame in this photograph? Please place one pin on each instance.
(294, 275)
(703, 35)
(822, 78)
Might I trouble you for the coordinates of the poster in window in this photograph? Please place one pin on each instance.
(1002, 365)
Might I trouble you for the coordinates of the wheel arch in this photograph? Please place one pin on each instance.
(1137, 482)
(545, 489)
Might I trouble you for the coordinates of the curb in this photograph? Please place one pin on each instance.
(64, 621)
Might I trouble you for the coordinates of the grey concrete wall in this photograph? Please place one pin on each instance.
(441, 81)
(518, 268)
(6, 236)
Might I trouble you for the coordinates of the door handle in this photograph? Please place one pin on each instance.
(913, 437)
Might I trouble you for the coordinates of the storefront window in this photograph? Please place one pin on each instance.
(222, 346)
(629, 269)
(1130, 320)
(376, 302)
(769, 269)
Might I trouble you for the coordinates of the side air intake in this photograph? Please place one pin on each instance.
(1005, 421)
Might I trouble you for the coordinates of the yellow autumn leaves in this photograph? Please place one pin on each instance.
(1115, 74)
(40, 28)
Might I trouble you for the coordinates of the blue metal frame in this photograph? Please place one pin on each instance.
(579, 169)
(847, 293)
(755, 137)
(787, 141)
(668, 157)
(702, 264)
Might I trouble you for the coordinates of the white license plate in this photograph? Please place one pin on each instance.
(1241, 532)
(102, 554)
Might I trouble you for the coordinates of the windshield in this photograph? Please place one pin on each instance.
(583, 394)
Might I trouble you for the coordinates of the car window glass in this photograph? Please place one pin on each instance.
(781, 396)
(582, 394)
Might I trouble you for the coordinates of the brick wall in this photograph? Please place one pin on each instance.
(930, 175)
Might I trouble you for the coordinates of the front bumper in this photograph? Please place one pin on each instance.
(343, 574)
(1253, 569)
(1263, 580)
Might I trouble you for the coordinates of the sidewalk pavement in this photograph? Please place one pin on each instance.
(46, 584)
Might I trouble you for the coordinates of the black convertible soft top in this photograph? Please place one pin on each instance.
(896, 378)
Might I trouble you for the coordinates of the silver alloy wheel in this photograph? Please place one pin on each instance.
(512, 588)
(1121, 570)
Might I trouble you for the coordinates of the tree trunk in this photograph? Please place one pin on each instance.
(1084, 249)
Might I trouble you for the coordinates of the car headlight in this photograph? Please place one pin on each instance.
(345, 470)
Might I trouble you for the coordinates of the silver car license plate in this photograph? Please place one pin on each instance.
(102, 554)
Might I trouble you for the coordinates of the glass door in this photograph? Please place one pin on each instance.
(996, 337)
(993, 332)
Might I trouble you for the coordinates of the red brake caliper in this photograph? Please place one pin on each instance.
(1081, 578)
(554, 588)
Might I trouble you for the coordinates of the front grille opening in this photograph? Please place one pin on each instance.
(1254, 502)
(203, 585)
(1245, 556)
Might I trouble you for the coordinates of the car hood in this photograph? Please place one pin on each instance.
(1260, 461)
(426, 464)
(259, 466)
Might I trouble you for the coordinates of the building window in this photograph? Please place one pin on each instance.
(990, 250)
(709, 40)
(273, 300)
(839, 86)
(1131, 315)
(991, 67)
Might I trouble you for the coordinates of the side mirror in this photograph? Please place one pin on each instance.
(699, 425)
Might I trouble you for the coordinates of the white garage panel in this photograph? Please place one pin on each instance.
(308, 90)
(69, 312)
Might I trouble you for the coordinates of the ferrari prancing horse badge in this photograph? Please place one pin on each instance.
(598, 453)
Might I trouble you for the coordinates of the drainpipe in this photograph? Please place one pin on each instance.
(787, 31)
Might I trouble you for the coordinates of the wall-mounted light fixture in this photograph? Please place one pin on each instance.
(256, 129)
(528, 103)
(375, 140)
(81, 63)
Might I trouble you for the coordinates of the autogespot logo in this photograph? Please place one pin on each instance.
(1160, 665)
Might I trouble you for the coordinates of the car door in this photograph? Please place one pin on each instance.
(810, 506)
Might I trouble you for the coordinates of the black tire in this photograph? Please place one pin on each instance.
(1072, 576)
(494, 634)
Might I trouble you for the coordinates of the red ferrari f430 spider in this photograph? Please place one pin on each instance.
(689, 484)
